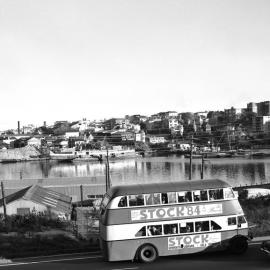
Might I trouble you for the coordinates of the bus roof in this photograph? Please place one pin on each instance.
(185, 185)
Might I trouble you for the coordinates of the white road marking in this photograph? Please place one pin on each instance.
(130, 268)
(63, 254)
(254, 244)
(48, 261)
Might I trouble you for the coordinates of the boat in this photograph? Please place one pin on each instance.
(62, 157)
(193, 156)
(91, 158)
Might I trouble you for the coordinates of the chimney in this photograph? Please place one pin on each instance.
(19, 127)
(44, 123)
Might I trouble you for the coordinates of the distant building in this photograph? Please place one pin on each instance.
(113, 122)
(168, 114)
(170, 123)
(232, 114)
(140, 137)
(252, 107)
(35, 142)
(72, 134)
(261, 124)
(136, 118)
(263, 108)
(156, 139)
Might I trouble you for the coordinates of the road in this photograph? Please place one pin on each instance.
(252, 259)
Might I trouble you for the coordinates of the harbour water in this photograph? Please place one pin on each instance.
(240, 171)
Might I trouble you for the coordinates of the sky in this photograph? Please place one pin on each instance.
(68, 60)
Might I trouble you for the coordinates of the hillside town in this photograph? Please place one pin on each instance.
(165, 132)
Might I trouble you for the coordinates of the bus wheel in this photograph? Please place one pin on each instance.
(147, 254)
(238, 245)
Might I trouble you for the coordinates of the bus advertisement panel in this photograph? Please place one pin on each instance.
(193, 241)
(182, 211)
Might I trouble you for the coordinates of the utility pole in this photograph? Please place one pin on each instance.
(108, 180)
(190, 158)
(202, 167)
(4, 203)
(81, 189)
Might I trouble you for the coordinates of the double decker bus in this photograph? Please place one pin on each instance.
(145, 221)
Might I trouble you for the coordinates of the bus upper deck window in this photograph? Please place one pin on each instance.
(197, 195)
(200, 195)
(152, 199)
(204, 196)
(123, 202)
(171, 197)
(136, 200)
(216, 194)
(164, 198)
(228, 193)
(184, 196)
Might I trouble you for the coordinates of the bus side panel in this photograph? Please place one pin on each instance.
(122, 216)
(126, 249)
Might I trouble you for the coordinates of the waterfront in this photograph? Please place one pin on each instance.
(240, 171)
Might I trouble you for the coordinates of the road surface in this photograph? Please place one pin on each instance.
(252, 259)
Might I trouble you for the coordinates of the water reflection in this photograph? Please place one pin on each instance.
(143, 170)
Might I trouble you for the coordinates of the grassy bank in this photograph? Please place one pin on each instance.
(257, 211)
(14, 246)
(40, 234)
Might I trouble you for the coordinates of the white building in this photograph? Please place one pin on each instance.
(156, 140)
(34, 141)
(72, 134)
(36, 199)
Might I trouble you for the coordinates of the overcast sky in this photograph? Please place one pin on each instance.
(66, 60)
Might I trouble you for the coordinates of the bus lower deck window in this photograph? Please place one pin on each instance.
(202, 226)
(186, 227)
(241, 220)
(141, 232)
(214, 226)
(231, 221)
(170, 229)
(154, 230)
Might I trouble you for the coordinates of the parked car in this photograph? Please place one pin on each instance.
(265, 247)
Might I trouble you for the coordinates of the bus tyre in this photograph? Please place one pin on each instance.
(238, 245)
(147, 254)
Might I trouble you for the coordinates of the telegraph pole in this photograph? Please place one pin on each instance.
(4, 203)
(202, 167)
(190, 158)
(108, 180)
(81, 189)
